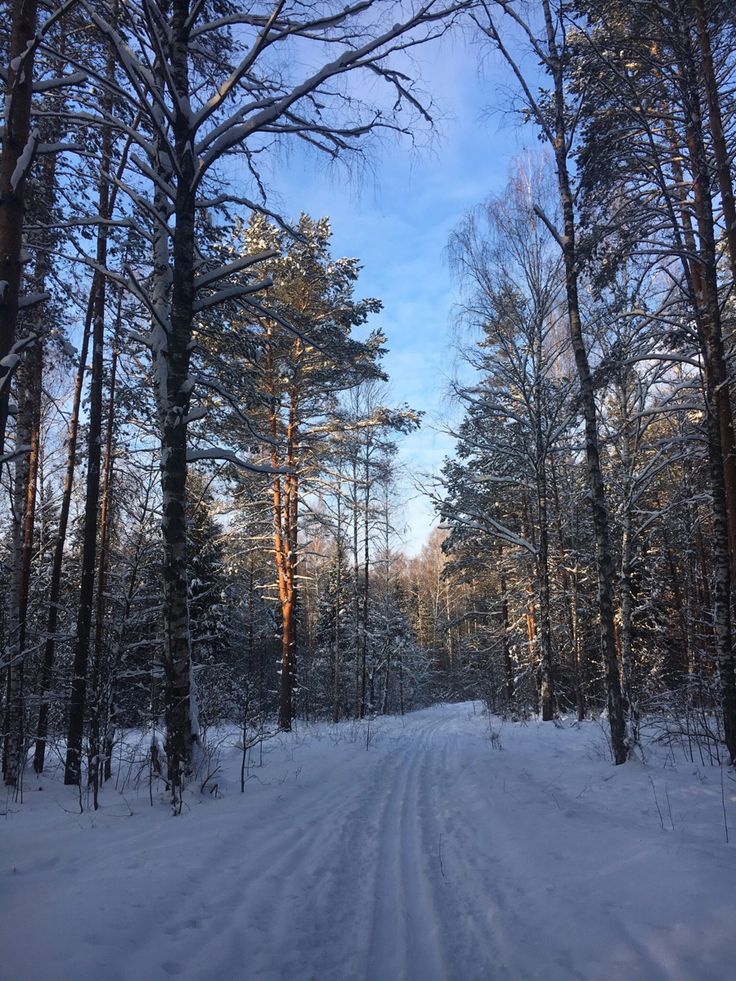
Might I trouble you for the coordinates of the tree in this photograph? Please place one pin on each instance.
(191, 118)
(521, 406)
(307, 357)
(555, 118)
(649, 88)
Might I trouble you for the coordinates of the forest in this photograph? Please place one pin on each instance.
(200, 461)
(276, 739)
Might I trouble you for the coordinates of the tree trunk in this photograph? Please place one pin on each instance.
(570, 591)
(26, 480)
(719, 418)
(72, 769)
(626, 631)
(18, 139)
(98, 703)
(508, 664)
(604, 560)
(547, 680)
(49, 653)
(285, 516)
(626, 628)
(28, 435)
(715, 119)
(338, 604)
(356, 591)
(172, 355)
(366, 582)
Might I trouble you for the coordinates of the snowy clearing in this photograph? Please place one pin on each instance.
(417, 849)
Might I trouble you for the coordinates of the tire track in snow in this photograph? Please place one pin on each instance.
(465, 886)
(431, 857)
(258, 886)
(336, 876)
(405, 941)
(522, 901)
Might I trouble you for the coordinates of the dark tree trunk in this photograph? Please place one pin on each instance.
(28, 434)
(720, 147)
(49, 652)
(17, 140)
(173, 299)
(547, 680)
(100, 697)
(508, 664)
(604, 558)
(26, 480)
(366, 584)
(569, 586)
(703, 277)
(338, 604)
(356, 590)
(77, 706)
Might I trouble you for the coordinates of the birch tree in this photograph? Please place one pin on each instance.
(504, 256)
(511, 27)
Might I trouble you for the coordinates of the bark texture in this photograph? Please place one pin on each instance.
(18, 140)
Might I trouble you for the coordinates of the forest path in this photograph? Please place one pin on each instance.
(414, 850)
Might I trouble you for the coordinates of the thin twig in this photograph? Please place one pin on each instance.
(659, 810)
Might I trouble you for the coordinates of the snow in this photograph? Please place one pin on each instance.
(10, 362)
(32, 300)
(73, 78)
(24, 160)
(443, 845)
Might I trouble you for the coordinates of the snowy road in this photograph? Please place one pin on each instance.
(421, 852)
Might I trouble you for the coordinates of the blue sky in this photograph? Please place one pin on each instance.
(397, 222)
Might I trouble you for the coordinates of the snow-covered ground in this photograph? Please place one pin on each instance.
(420, 849)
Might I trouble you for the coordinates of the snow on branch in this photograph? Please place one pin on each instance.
(31, 300)
(228, 456)
(234, 292)
(236, 129)
(222, 272)
(48, 84)
(25, 160)
(11, 360)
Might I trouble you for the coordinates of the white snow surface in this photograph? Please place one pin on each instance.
(413, 848)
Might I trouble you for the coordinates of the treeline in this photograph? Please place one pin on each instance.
(592, 505)
(196, 457)
(169, 342)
